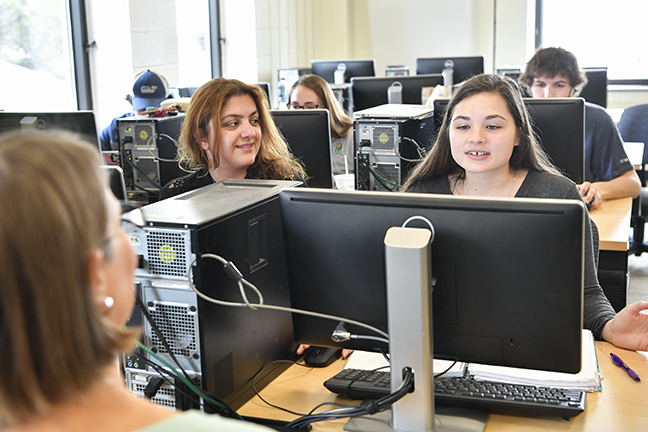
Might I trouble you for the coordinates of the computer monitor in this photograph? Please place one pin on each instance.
(266, 89)
(308, 133)
(559, 123)
(463, 67)
(186, 91)
(509, 272)
(595, 91)
(369, 92)
(80, 122)
(354, 68)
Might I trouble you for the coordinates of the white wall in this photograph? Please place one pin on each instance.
(262, 36)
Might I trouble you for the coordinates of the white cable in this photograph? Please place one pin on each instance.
(423, 218)
(260, 305)
(157, 158)
(418, 150)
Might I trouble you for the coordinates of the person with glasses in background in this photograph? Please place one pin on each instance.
(313, 92)
(609, 174)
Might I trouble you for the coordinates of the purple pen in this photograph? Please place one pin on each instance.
(617, 361)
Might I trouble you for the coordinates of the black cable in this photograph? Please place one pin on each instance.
(364, 373)
(159, 334)
(163, 372)
(143, 175)
(265, 401)
(371, 407)
(446, 371)
(383, 182)
(227, 412)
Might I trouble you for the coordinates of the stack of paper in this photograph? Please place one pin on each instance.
(365, 360)
(588, 379)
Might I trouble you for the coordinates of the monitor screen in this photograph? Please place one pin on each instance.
(354, 68)
(595, 91)
(369, 92)
(266, 89)
(81, 122)
(463, 67)
(308, 133)
(559, 123)
(509, 272)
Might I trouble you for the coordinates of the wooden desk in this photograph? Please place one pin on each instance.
(613, 221)
(620, 407)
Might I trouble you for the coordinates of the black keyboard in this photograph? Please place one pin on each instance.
(491, 396)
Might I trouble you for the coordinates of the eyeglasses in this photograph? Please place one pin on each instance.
(296, 106)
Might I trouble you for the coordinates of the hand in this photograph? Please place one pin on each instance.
(301, 348)
(591, 195)
(629, 328)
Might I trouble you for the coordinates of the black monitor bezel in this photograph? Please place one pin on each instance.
(355, 68)
(308, 134)
(335, 256)
(80, 122)
(464, 67)
(368, 92)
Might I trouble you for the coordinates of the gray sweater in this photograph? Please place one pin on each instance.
(596, 307)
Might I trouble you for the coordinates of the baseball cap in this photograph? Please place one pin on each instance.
(149, 90)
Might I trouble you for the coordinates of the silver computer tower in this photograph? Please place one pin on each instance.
(387, 147)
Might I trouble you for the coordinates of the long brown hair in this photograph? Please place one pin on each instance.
(527, 155)
(54, 339)
(340, 122)
(274, 160)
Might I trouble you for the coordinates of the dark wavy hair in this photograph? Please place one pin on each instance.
(551, 62)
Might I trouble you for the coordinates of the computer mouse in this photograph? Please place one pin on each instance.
(320, 356)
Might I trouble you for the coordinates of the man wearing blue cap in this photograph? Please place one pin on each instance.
(149, 90)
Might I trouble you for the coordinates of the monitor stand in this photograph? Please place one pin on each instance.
(408, 268)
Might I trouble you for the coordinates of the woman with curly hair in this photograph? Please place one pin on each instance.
(228, 133)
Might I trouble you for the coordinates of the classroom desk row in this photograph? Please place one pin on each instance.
(621, 406)
(613, 221)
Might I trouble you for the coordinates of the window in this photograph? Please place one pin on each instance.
(601, 33)
(35, 56)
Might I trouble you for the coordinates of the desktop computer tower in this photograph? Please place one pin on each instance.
(148, 151)
(389, 145)
(221, 347)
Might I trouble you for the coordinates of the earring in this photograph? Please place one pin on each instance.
(109, 302)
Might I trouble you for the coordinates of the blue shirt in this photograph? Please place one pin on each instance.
(605, 158)
(109, 137)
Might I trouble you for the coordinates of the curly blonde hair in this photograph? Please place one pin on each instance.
(274, 161)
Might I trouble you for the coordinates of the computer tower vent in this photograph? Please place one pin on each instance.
(224, 376)
(177, 323)
(146, 167)
(167, 253)
(137, 381)
(383, 138)
(386, 171)
(165, 395)
(143, 134)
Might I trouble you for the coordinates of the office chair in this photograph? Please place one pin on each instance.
(633, 127)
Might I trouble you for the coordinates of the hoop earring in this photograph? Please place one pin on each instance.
(109, 302)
